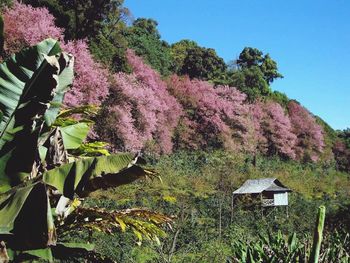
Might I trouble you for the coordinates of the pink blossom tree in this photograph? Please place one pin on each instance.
(130, 118)
(152, 112)
(90, 85)
(26, 26)
(258, 139)
(310, 140)
(273, 130)
(215, 117)
(143, 111)
(168, 109)
(278, 131)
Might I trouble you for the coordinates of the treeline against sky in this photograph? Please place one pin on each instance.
(160, 98)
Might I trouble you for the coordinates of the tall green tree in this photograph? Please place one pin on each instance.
(198, 62)
(269, 68)
(110, 44)
(80, 18)
(144, 38)
(179, 52)
(203, 63)
(250, 57)
(102, 22)
(253, 57)
(254, 72)
(250, 81)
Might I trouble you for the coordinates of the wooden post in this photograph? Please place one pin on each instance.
(231, 219)
(220, 218)
(261, 205)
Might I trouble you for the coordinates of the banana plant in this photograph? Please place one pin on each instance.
(40, 161)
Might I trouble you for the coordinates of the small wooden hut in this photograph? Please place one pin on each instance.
(270, 190)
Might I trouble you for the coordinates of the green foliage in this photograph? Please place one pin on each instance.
(179, 52)
(255, 73)
(22, 115)
(196, 188)
(252, 57)
(5, 3)
(109, 46)
(345, 136)
(280, 98)
(80, 19)
(250, 81)
(32, 84)
(202, 63)
(143, 37)
(110, 51)
(269, 69)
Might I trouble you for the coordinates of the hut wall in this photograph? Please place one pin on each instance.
(281, 199)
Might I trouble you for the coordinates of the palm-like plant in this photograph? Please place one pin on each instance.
(44, 162)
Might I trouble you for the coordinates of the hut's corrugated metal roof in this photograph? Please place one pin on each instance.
(256, 186)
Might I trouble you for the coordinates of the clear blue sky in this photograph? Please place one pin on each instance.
(309, 39)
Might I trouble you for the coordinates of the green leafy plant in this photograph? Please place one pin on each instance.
(44, 161)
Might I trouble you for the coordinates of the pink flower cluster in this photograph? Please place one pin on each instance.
(26, 26)
(142, 111)
(274, 130)
(310, 139)
(90, 85)
(150, 112)
(216, 117)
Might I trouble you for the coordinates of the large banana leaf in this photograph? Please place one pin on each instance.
(65, 80)
(20, 225)
(53, 145)
(64, 251)
(74, 135)
(88, 174)
(28, 82)
(11, 204)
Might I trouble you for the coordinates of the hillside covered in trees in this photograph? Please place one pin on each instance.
(155, 96)
(205, 125)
